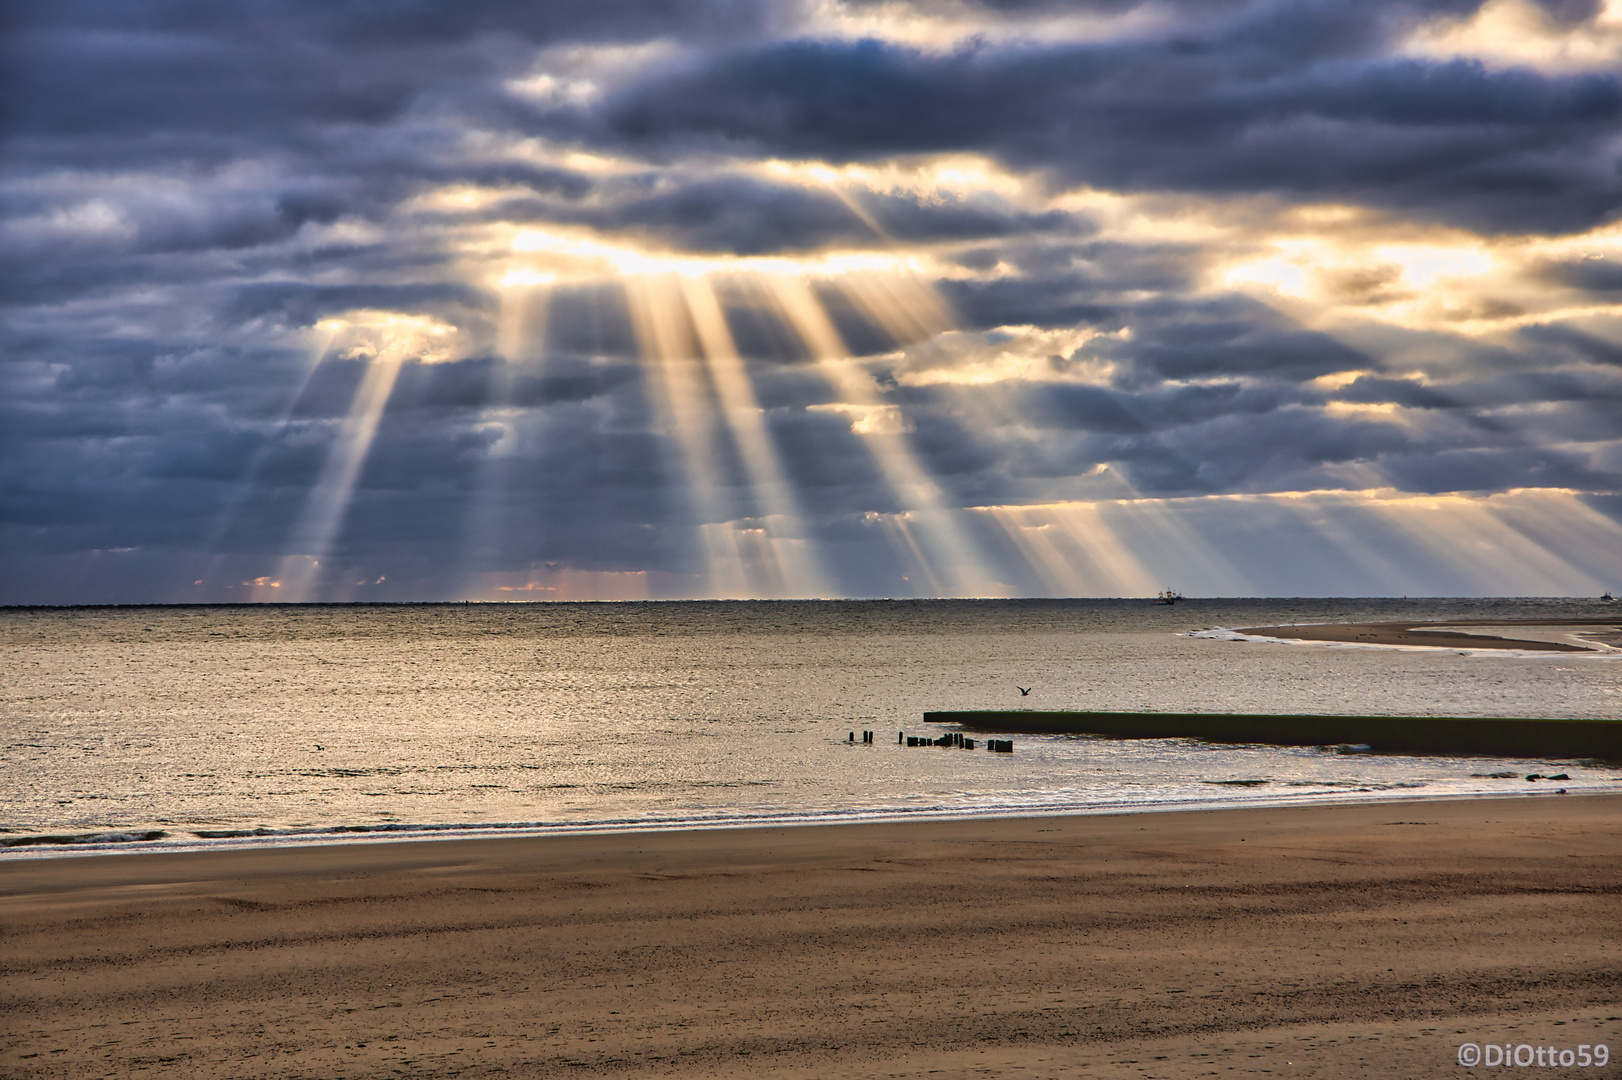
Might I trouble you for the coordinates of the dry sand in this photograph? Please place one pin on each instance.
(1536, 635)
(1327, 942)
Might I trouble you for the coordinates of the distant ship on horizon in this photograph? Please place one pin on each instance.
(1167, 596)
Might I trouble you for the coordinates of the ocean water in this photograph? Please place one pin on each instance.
(181, 727)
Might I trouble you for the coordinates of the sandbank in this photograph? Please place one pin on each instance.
(1321, 941)
(1534, 635)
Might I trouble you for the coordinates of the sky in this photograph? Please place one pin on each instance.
(313, 300)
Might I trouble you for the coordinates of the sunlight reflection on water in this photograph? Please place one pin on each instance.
(569, 716)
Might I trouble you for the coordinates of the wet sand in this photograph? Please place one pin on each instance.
(1325, 941)
(1541, 635)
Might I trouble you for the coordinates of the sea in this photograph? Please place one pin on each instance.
(180, 728)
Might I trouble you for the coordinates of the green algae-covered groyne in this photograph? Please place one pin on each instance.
(1506, 737)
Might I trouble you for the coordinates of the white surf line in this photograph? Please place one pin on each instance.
(179, 844)
(1560, 635)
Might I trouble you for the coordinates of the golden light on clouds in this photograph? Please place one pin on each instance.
(870, 419)
(931, 178)
(1517, 33)
(392, 335)
(558, 255)
(1006, 354)
(1449, 280)
(949, 25)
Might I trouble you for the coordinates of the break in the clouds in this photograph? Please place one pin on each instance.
(571, 300)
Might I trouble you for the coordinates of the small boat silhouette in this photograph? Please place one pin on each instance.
(1168, 597)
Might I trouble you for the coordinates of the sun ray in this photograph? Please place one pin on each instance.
(1035, 542)
(1472, 535)
(898, 531)
(1556, 519)
(329, 499)
(1074, 549)
(957, 569)
(799, 571)
(1170, 541)
(520, 345)
(325, 334)
(906, 307)
(1342, 527)
(683, 398)
(388, 340)
(1522, 542)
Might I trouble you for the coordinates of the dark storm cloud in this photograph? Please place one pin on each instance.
(191, 69)
(1228, 337)
(1067, 284)
(1574, 342)
(466, 387)
(750, 217)
(1295, 98)
(1107, 410)
(1596, 275)
(1055, 301)
(1493, 470)
(1409, 393)
(300, 304)
(1520, 389)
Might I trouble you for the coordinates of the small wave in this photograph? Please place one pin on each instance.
(1239, 783)
(323, 830)
(85, 838)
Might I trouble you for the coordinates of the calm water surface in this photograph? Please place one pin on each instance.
(252, 725)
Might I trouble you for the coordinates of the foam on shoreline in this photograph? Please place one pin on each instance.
(114, 842)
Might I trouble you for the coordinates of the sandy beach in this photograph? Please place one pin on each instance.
(1304, 942)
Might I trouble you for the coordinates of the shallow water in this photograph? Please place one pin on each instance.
(206, 724)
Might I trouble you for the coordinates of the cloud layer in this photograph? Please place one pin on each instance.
(513, 300)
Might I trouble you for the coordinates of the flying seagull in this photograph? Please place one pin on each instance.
(1024, 691)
